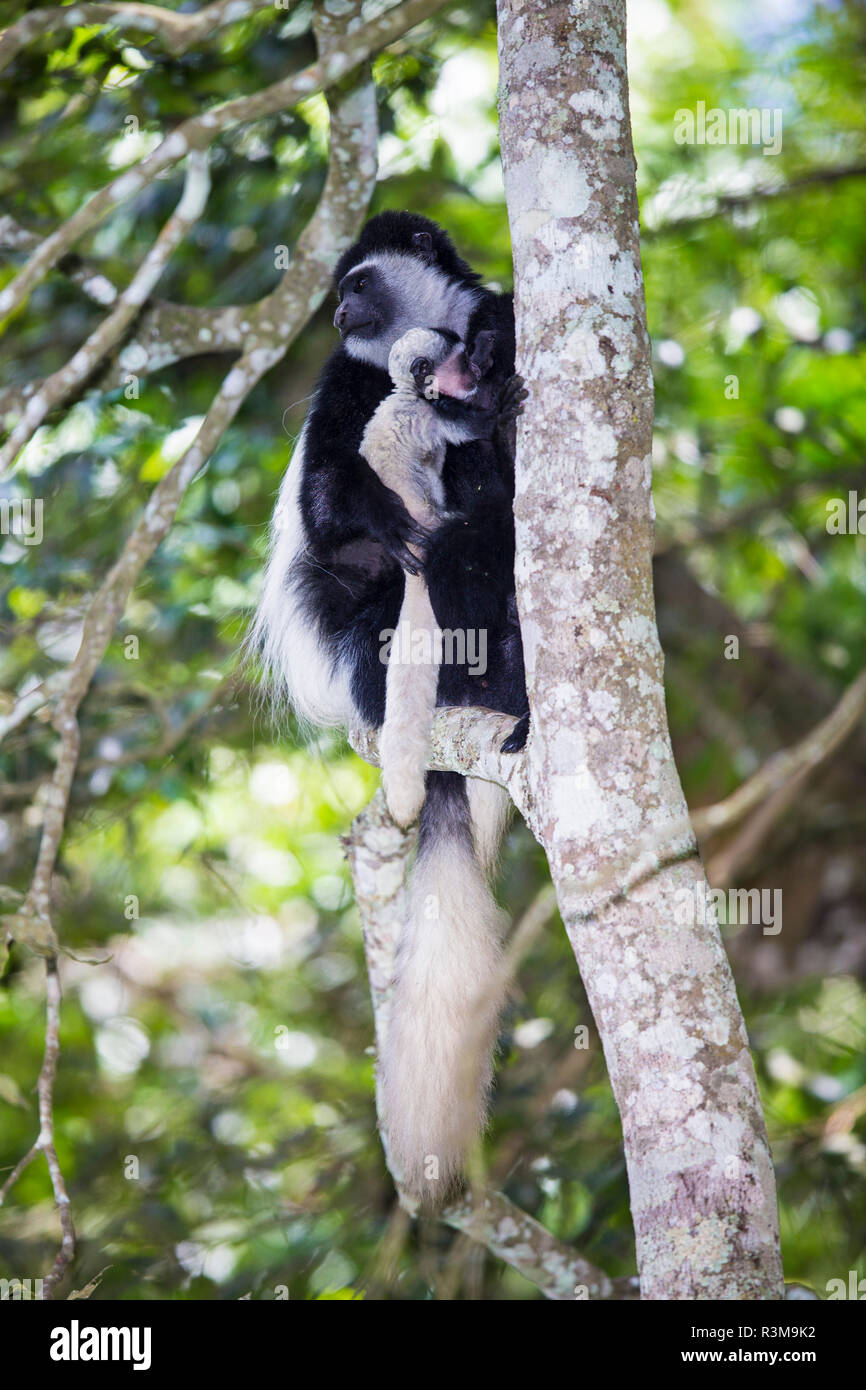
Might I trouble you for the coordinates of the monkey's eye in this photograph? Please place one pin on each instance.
(422, 366)
(360, 284)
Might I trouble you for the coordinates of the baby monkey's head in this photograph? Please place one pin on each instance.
(433, 362)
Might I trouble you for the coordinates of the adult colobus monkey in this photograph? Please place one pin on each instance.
(341, 541)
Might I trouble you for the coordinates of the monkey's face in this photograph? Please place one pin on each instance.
(433, 364)
(455, 376)
(392, 292)
(365, 310)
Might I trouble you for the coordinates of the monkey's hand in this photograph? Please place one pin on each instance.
(508, 407)
(511, 399)
(396, 531)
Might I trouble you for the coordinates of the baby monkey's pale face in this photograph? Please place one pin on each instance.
(433, 365)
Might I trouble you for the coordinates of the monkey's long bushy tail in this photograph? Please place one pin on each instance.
(448, 993)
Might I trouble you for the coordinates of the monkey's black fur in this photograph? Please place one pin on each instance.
(413, 235)
(358, 532)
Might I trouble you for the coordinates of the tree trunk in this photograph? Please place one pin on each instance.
(600, 781)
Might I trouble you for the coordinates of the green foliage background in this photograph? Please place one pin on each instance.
(214, 1106)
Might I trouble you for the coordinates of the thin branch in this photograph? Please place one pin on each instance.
(719, 203)
(528, 1247)
(89, 278)
(45, 1091)
(724, 866)
(340, 208)
(19, 1168)
(165, 333)
(198, 132)
(178, 32)
(791, 763)
(63, 382)
(111, 597)
(174, 735)
(32, 700)
(44, 1143)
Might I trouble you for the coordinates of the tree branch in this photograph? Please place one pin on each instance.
(32, 700)
(172, 738)
(791, 765)
(44, 1144)
(717, 204)
(63, 382)
(178, 32)
(167, 332)
(198, 132)
(528, 1247)
(89, 278)
(468, 740)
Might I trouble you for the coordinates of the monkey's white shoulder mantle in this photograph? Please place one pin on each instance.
(298, 666)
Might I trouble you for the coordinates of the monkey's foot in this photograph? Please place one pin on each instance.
(404, 796)
(517, 738)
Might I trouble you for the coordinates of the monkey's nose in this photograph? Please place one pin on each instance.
(340, 316)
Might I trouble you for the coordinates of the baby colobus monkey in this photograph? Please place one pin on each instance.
(405, 443)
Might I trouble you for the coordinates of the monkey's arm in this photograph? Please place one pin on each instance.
(341, 497)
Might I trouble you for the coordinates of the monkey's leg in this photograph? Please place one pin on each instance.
(410, 701)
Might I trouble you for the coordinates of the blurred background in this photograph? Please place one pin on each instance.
(214, 1103)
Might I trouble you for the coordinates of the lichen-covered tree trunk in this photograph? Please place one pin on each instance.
(600, 777)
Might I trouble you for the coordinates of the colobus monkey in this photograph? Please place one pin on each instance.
(341, 541)
(340, 536)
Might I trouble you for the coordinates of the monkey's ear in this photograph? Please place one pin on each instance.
(423, 244)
